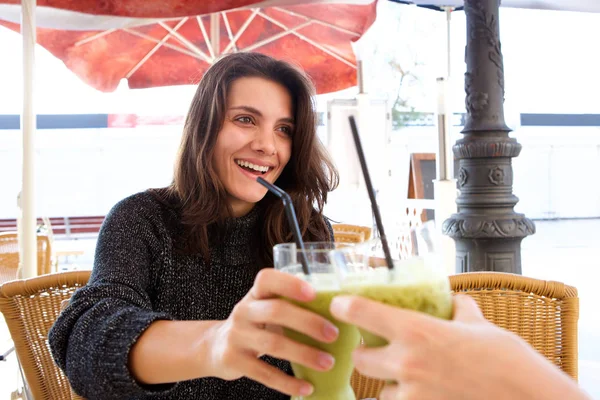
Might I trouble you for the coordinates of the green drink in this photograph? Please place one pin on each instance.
(416, 282)
(421, 291)
(333, 384)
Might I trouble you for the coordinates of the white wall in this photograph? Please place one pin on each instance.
(554, 177)
(86, 171)
(556, 173)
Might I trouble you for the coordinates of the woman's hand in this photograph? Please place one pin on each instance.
(468, 358)
(254, 329)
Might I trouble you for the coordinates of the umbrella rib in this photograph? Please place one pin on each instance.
(318, 21)
(277, 36)
(224, 14)
(154, 49)
(279, 24)
(206, 39)
(170, 46)
(332, 53)
(93, 37)
(292, 31)
(185, 42)
(242, 30)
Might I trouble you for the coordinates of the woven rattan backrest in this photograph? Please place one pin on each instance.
(44, 253)
(9, 256)
(544, 313)
(348, 237)
(365, 230)
(30, 308)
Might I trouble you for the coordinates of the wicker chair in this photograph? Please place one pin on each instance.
(9, 255)
(343, 228)
(30, 307)
(9, 264)
(544, 313)
(348, 237)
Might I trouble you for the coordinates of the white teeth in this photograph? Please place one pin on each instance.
(247, 164)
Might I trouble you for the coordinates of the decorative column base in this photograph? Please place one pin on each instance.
(485, 244)
(486, 230)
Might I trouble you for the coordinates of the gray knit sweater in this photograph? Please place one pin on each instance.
(139, 278)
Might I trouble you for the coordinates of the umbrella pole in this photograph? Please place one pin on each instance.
(445, 163)
(360, 76)
(444, 187)
(448, 42)
(362, 107)
(28, 239)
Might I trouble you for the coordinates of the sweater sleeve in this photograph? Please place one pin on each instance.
(91, 339)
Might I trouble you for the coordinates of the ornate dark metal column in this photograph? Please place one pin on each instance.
(487, 231)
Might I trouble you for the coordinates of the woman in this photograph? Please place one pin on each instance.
(179, 305)
(467, 358)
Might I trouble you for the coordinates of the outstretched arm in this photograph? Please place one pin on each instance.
(467, 358)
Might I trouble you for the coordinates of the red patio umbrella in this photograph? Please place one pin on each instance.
(142, 8)
(177, 51)
(103, 49)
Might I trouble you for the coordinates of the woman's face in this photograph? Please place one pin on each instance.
(255, 140)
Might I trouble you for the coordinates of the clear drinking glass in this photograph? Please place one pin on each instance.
(418, 280)
(325, 278)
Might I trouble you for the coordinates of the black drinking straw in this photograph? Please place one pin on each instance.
(293, 221)
(365, 170)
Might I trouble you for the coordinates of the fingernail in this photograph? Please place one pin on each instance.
(339, 305)
(330, 331)
(306, 389)
(326, 361)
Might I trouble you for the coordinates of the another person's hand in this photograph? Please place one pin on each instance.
(467, 358)
(254, 329)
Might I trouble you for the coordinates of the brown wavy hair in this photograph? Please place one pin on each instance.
(196, 190)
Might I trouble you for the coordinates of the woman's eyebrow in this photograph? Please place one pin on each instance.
(248, 109)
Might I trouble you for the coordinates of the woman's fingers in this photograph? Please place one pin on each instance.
(283, 313)
(263, 341)
(272, 283)
(273, 377)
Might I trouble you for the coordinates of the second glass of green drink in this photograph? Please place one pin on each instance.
(418, 281)
(325, 278)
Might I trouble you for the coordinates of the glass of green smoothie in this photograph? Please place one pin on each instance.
(325, 278)
(417, 280)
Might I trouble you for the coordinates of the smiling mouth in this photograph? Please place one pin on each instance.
(253, 168)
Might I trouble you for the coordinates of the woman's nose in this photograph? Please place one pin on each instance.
(264, 142)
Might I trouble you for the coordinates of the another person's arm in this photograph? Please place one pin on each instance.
(466, 358)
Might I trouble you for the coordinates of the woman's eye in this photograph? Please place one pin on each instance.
(244, 120)
(286, 129)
